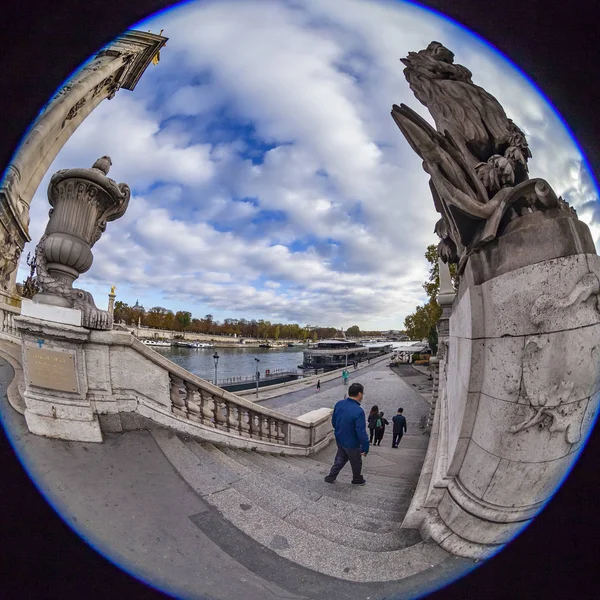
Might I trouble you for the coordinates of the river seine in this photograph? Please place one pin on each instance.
(233, 362)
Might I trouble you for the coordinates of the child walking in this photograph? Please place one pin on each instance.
(380, 423)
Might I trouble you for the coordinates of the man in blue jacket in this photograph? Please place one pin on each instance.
(350, 426)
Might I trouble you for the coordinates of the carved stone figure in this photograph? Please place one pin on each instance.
(477, 157)
(9, 259)
(473, 117)
(83, 201)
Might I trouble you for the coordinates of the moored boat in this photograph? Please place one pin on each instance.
(162, 343)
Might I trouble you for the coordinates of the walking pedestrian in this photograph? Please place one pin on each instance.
(318, 385)
(345, 376)
(351, 437)
(399, 429)
(380, 423)
(371, 422)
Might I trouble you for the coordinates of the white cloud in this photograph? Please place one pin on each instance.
(269, 178)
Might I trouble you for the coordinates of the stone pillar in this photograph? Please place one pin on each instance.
(119, 65)
(111, 301)
(517, 405)
(56, 385)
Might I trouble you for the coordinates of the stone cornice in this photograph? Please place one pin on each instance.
(142, 47)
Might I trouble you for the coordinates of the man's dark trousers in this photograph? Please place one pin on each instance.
(342, 457)
(396, 439)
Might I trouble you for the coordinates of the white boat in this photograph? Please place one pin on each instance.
(156, 343)
(200, 345)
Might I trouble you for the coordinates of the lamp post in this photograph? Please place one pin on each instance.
(216, 359)
(257, 375)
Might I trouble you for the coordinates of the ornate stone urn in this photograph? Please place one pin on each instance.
(83, 201)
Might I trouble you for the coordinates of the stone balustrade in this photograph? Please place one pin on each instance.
(8, 329)
(194, 402)
(118, 379)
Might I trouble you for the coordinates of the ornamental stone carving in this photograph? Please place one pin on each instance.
(476, 158)
(547, 306)
(83, 202)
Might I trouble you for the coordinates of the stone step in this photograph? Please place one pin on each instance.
(210, 462)
(339, 504)
(395, 499)
(352, 537)
(327, 512)
(383, 483)
(348, 493)
(368, 496)
(318, 554)
(187, 464)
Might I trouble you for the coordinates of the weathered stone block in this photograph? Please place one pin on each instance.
(521, 484)
(510, 300)
(492, 433)
(478, 468)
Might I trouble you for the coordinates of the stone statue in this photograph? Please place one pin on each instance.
(472, 116)
(9, 258)
(476, 158)
(83, 201)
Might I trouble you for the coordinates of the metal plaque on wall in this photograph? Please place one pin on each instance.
(51, 369)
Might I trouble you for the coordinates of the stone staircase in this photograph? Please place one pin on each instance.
(282, 503)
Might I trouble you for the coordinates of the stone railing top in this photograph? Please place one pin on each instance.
(126, 339)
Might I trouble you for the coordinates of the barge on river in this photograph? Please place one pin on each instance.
(335, 354)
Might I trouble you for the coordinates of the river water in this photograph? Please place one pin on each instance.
(233, 362)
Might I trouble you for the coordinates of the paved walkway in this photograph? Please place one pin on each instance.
(383, 387)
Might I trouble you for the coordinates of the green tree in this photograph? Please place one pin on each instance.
(353, 331)
(183, 318)
(423, 322)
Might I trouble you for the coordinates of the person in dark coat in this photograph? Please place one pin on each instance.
(371, 422)
(319, 385)
(399, 429)
(380, 423)
(351, 437)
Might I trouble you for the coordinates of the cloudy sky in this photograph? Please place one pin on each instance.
(268, 178)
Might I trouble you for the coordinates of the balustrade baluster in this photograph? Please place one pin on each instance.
(244, 421)
(281, 429)
(207, 408)
(192, 402)
(254, 428)
(232, 422)
(220, 419)
(264, 427)
(178, 403)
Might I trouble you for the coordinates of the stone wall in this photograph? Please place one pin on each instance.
(521, 395)
(116, 376)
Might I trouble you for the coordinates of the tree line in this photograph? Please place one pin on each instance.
(163, 318)
(422, 324)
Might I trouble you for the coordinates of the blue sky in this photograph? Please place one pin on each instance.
(268, 178)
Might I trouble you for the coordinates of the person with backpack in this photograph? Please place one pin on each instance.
(380, 423)
(399, 429)
(371, 422)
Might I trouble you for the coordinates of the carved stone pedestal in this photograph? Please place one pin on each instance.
(56, 383)
(521, 396)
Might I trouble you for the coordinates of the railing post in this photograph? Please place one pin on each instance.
(191, 402)
(177, 402)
